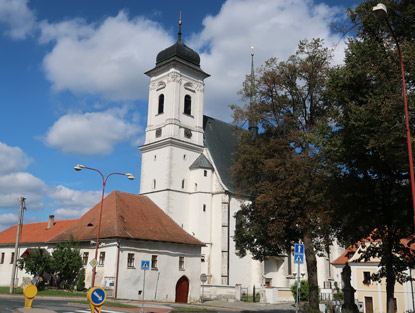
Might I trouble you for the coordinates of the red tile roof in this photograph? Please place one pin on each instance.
(34, 232)
(343, 258)
(127, 215)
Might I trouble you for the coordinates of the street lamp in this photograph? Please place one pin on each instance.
(130, 176)
(381, 14)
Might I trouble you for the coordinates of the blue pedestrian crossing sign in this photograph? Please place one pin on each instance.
(298, 258)
(145, 265)
(298, 253)
(96, 296)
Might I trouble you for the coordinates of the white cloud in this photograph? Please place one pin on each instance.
(21, 184)
(73, 203)
(273, 27)
(12, 159)
(7, 220)
(17, 17)
(107, 59)
(91, 133)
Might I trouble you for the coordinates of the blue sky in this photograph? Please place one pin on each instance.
(73, 89)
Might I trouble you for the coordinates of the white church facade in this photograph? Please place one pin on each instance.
(185, 170)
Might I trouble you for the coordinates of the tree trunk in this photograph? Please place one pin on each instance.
(311, 270)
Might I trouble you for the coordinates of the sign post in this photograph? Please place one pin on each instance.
(203, 279)
(145, 265)
(298, 259)
(96, 297)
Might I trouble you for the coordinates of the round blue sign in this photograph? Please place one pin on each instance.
(98, 296)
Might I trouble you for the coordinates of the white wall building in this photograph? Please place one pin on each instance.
(133, 229)
(185, 170)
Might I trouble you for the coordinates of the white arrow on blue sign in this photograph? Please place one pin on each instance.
(145, 265)
(298, 248)
(98, 296)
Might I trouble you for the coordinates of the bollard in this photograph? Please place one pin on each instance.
(29, 292)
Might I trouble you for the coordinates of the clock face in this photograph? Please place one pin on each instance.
(158, 132)
(187, 133)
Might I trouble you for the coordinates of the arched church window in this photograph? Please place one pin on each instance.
(187, 105)
(161, 104)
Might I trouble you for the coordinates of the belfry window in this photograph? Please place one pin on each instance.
(161, 104)
(187, 105)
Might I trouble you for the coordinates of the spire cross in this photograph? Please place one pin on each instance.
(180, 27)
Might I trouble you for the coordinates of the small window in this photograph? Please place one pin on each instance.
(155, 157)
(12, 258)
(181, 263)
(154, 262)
(2, 258)
(183, 183)
(101, 258)
(202, 259)
(184, 156)
(205, 173)
(204, 208)
(85, 258)
(195, 187)
(187, 105)
(154, 184)
(161, 104)
(130, 260)
(366, 278)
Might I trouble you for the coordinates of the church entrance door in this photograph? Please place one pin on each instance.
(182, 289)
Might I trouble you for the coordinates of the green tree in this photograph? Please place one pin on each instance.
(283, 168)
(66, 263)
(303, 290)
(80, 285)
(372, 192)
(36, 262)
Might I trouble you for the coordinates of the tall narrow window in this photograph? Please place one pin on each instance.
(154, 184)
(154, 262)
(182, 183)
(181, 263)
(130, 260)
(12, 258)
(161, 104)
(187, 105)
(101, 258)
(2, 258)
(85, 258)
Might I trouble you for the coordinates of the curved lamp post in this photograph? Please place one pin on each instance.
(381, 14)
(130, 176)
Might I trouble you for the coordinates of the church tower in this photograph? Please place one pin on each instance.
(174, 133)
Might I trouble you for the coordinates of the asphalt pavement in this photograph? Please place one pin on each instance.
(161, 307)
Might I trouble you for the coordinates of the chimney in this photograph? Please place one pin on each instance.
(51, 221)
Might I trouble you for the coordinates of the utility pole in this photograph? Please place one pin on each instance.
(16, 247)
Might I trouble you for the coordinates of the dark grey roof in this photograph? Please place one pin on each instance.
(201, 162)
(181, 53)
(221, 141)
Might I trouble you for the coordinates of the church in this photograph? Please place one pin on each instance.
(183, 219)
(185, 170)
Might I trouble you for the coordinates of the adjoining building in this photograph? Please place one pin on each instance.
(133, 229)
(370, 296)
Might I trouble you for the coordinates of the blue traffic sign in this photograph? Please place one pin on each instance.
(298, 248)
(298, 258)
(145, 265)
(98, 296)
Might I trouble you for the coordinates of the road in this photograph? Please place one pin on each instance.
(8, 305)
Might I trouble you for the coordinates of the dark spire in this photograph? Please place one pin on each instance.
(253, 125)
